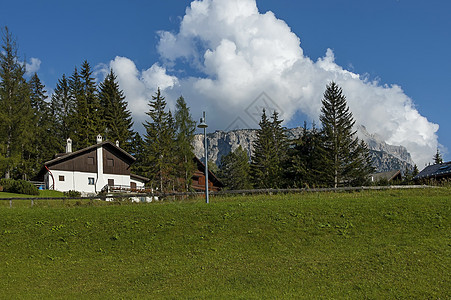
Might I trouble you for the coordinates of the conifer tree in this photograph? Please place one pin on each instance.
(280, 144)
(345, 156)
(44, 141)
(87, 118)
(159, 143)
(415, 171)
(62, 108)
(185, 127)
(438, 157)
(270, 151)
(235, 170)
(305, 166)
(92, 121)
(16, 114)
(80, 111)
(117, 119)
(138, 150)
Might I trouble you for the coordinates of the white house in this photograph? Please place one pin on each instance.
(91, 169)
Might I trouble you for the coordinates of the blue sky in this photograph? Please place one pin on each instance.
(400, 42)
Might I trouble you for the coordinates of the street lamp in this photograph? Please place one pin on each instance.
(204, 125)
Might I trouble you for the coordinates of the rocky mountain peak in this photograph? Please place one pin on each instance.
(385, 157)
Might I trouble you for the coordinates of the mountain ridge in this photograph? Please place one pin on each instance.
(385, 157)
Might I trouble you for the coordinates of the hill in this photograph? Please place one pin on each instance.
(385, 244)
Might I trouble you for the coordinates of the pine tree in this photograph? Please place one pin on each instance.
(270, 151)
(138, 151)
(62, 108)
(305, 166)
(415, 171)
(16, 113)
(280, 144)
(185, 127)
(438, 158)
(117, 119)
(92, 121)
(345, 155)
(87, 119)
(44, 141)
(159, 142)
(77, 122)
(235, 170)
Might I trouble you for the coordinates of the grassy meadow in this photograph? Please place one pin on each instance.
(369, 244)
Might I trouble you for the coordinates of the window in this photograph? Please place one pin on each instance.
(61, 178)
(110, 162)
(133, 185)
(91, 180)
(111, 182)
(90, 160)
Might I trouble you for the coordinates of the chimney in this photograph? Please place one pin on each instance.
(117, 144)
(68, 145)
(99, 139)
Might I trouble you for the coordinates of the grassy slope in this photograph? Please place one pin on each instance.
(42, 193)
(384, 244)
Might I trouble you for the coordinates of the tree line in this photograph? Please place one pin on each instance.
(328, 157)
(33, 128)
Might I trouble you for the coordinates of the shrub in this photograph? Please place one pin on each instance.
(72, 194)
(18, 187)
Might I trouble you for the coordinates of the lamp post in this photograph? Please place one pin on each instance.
(204, 125)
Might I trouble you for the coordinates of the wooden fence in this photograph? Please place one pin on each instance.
(162, 196)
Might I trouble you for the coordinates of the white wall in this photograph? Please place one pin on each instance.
(78, 181)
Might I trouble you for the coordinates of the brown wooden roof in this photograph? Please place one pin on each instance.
(107, 144)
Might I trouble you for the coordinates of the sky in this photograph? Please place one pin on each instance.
(231, 58)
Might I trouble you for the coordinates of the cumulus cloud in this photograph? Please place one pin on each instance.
(243, 54)
(33, 66)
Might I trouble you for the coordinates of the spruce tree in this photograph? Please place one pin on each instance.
(62, 108)
(345, 155)
(92, 121)
(235, 170)
(117, 119)
(305, 166)
(438, 157)
(138, 151)
(270, 152)
(415, 171)
(16, 113)
(280, 144)
(87, 119)
(159, 143)
(45, 142)
(77, 118)
(185, 127)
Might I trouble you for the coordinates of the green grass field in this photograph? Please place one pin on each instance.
(378, 245)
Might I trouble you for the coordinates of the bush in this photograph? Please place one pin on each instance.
(72, 194)
(18, 187)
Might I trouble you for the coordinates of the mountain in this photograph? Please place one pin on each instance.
(385, 157)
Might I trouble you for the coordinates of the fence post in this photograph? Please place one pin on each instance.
(10, 203)
(32, 202)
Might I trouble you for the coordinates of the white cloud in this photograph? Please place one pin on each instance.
(139, 86)
(33, 66)
(242, 53)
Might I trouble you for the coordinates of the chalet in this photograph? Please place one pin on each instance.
(198, 179)
(91, 169)
(390, 176)
(436, 172)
